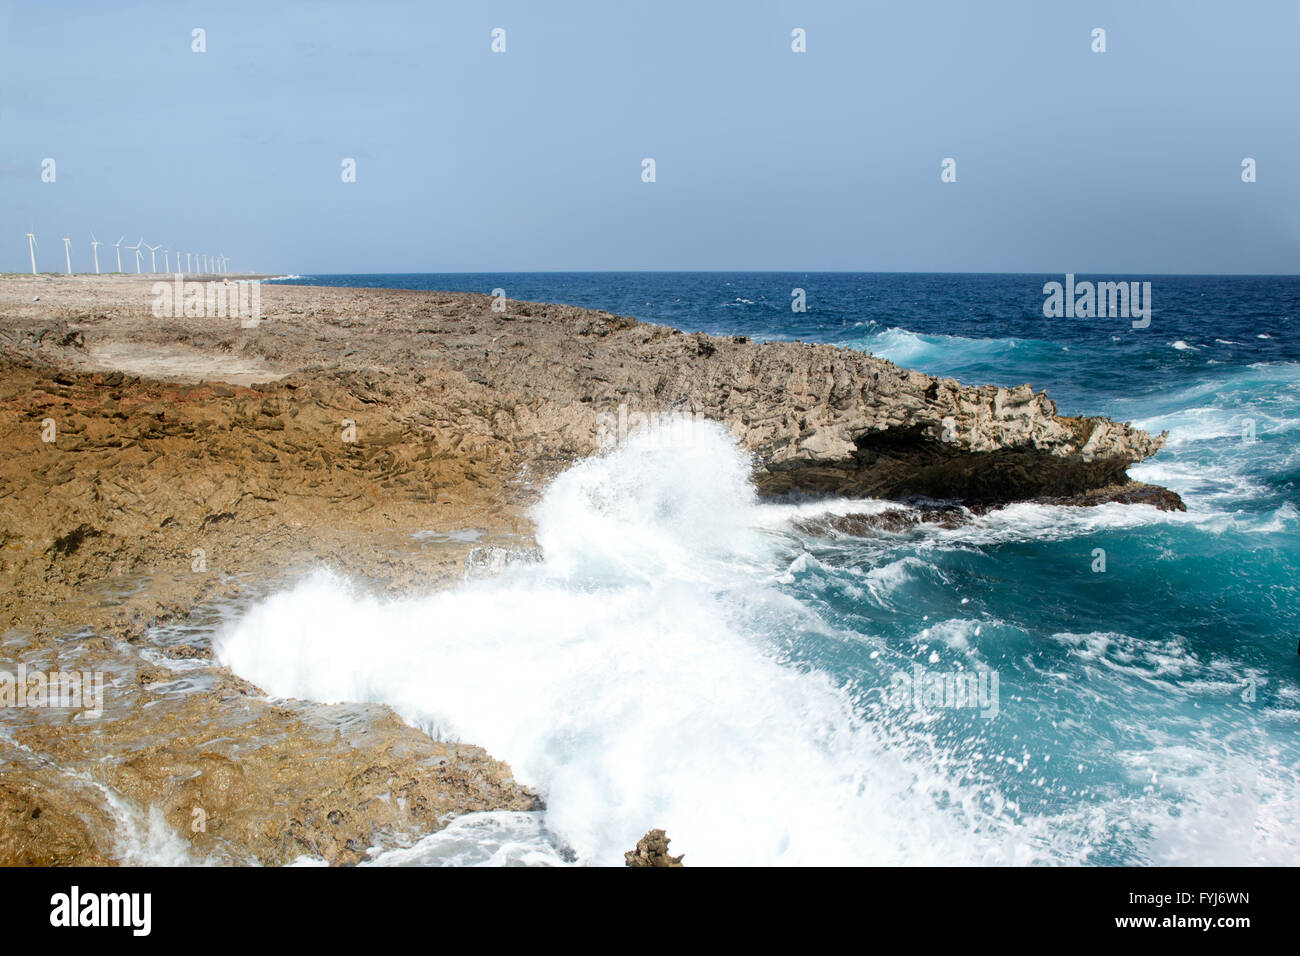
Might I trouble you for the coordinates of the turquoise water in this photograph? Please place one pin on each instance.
(689, 657)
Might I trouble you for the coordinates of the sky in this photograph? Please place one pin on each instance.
(1067, 160)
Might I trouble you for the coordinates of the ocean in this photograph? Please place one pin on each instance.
(1039, 685)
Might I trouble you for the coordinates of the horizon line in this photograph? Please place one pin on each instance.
(1085, 272)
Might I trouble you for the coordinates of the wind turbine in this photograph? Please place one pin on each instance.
(153, 257)
(167, 263)
(31, 248)
(94, 248)
(118, 246)
(67, 253)
(136, 247)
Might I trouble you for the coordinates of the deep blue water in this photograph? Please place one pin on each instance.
(1148, 712)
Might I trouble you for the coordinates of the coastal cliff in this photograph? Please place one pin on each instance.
(156, 464)
(529, 388)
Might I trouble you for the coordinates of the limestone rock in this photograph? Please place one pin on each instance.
(652, 850)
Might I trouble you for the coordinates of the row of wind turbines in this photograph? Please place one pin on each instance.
(206, 263)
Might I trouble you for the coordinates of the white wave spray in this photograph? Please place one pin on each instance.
(635, 678)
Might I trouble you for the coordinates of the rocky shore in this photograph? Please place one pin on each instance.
(159, 466)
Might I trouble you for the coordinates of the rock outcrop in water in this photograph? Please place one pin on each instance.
(652, 850)
(157, 464)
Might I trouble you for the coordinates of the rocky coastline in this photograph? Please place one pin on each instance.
(157, 465)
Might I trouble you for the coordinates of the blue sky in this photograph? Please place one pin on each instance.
(1067, 160)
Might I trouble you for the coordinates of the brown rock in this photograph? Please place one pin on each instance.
(652, 850)
(44, 825)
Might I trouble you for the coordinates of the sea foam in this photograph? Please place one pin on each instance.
(634, 679)
(647, 673)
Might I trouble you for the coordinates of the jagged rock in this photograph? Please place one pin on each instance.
(652, 850)
(47, 822)
(1124, 493)
(891, 520)
(895, 520)
(526, 388)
